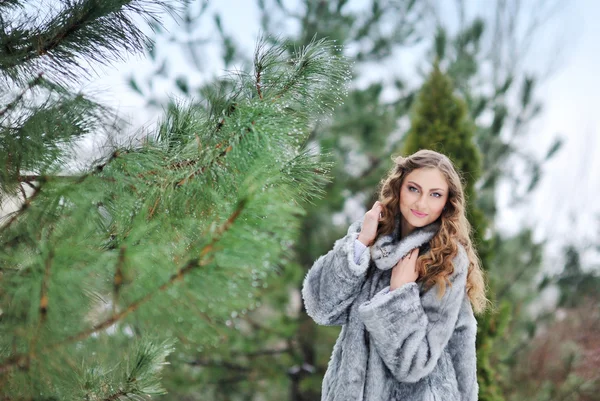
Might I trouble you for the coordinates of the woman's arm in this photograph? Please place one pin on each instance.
(335, 279)
(410, 332)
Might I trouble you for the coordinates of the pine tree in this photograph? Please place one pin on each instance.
(513, 260)
(149, 251)
(440, 122)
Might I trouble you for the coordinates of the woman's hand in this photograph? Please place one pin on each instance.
(368, 232)
(405, 270)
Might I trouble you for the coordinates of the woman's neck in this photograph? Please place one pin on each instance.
(405, 227)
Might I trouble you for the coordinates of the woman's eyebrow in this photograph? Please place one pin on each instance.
(432, 189)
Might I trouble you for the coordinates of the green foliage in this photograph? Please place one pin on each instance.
(440, 122)
(164, 239)
(39, 125)
(96, 30)
(576, 285)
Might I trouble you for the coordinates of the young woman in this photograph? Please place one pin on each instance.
(404, 284)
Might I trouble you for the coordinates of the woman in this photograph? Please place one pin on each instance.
(404, 284)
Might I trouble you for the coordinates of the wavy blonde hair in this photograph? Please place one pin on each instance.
(436, 266)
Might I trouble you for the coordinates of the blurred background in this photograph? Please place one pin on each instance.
(528, 73)
(525, 73)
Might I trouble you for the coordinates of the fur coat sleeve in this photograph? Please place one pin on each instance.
(410, 331)
(334, 281)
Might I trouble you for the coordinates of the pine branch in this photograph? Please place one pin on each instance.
(212, 162)
(259, 67)
(116, 396)
(44, 290)
(22, 359)
(118, 277)
(42, 179)
(34, 82)
(250, 145)
(22, 209)
(91, 29)
(10, 3)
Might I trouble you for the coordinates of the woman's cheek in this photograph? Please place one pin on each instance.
(436, 206)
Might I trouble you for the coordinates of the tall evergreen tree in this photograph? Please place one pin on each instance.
(441, 122)
(103, 269)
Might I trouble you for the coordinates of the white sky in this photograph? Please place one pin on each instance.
(565, 203)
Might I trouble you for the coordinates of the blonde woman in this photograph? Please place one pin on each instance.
(404, 284)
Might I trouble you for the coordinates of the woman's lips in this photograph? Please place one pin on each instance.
(418, 214)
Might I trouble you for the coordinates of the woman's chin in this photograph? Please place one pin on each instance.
(417, 222)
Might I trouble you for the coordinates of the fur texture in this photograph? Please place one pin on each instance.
(404, 344)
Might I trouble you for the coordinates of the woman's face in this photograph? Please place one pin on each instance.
(423, 195)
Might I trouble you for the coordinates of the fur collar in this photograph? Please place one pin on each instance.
(389, 249)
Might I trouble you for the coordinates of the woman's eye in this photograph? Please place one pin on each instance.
(410, 188)
(437, 195)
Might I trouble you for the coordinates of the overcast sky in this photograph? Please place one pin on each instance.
(566, 202)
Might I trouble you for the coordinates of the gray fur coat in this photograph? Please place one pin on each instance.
(406, 344)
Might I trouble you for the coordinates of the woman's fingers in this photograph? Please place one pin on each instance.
(378, 208)
(414, 254)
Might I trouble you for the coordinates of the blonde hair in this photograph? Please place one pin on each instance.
(436, 266)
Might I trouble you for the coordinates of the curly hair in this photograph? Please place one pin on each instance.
(436, 266)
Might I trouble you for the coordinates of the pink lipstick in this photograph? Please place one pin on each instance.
(418, 214)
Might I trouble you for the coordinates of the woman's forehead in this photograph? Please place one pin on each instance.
(428, 178)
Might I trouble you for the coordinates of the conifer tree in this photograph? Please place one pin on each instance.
(440, 122)
(146, 253)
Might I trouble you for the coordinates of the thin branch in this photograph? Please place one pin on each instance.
(24, 207)
(263, 352)
(203, 168)
(153, 209)
(507, 287)
(258, 76)
(221, 364)
(32, 83)
(257, 326)
(44, 289)
(116, 395)
(23, 192)
(45, 178)
(118, 277)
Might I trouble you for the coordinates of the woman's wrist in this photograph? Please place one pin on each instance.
(363, 241)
